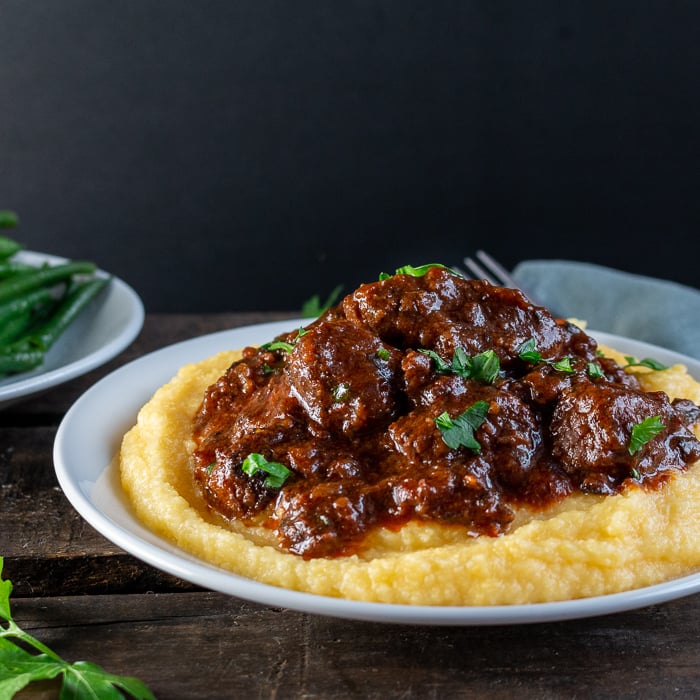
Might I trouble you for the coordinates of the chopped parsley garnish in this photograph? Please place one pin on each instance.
(643, 432)
(341, 392)
(595, 371)
(563, 365)
(278, 345)
(528, 353)
(20, 665)
(459, 432)
(277, 473)
(483, 367)
(383, 354)
(284, 345)
(414, 271)
(646, 362)
(440, 364)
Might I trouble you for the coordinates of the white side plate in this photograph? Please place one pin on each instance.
(102, 331)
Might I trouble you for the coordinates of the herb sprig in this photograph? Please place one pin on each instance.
(648, 362)
(643, 432)
(276, 472)
(283, 344)
(484, 366)
(418, 271)
(528, 353)
(459, 432)
(19, 667)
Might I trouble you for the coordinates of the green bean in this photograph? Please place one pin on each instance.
(23, 303)
(14, 327)
(12, 361)
(8, 247)
(14, 286)
(8, 219)
(67, 311)
(11, 267)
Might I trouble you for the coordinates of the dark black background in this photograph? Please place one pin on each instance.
(246, 155)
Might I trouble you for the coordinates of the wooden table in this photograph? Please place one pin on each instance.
(89, 600)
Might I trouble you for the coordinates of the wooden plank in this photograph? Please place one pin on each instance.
(204, 645)
(49, 549)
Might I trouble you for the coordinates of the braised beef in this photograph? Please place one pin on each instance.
(352, 406)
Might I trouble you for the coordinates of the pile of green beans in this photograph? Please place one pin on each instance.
(37, 304)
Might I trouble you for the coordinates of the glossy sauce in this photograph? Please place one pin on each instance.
(349, 406)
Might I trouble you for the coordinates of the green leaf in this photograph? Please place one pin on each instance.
(643, 432)
(418, 271)
(313, 307)
(87, 680)
(595, 371)
(18, 668)
(483, 367)
(646, 362)
(440, 364)
(8, 219)
(461, 363)
(283, 344)
(459, 432)
(341, 393)
(527, 352)
(278, 345)
(277, 473)
(81, 680)
(5, 591)
(563, 365)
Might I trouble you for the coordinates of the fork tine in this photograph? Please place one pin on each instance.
(477, 271)
(499, 272)
(493, 272)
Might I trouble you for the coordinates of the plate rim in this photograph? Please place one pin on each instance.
(166, 556)
(42, 380)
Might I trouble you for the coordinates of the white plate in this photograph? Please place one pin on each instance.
(88, 440)
(100, 333)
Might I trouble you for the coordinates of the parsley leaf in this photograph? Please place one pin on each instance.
(643, 432)
(278, 345)
(483, 367)
(383, 354)
(459, 432)
(440, 364)
(19, 666)
(277, 473)
(646, 362)
(563, 365)
(528, 352)
(414, 271)
(595, 371)
(313, 307)
(283, 344)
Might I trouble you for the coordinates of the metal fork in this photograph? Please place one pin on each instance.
(485, 267)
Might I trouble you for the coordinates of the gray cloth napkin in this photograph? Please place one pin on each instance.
(647, 309)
